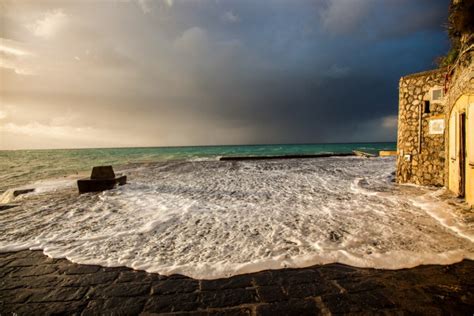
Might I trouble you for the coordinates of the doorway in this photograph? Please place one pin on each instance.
(462, 154)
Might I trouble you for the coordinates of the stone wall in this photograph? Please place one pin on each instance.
(421, 155)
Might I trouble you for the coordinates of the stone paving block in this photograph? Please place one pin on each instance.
(39, 254)
(365, 302)
(354, 285)
(296, 276)
(88, 279)
(69, 288)
(15, 297)
(115, 306)
(119, 290)
(42, 281)
(63, 308)
(239, 311)
(5, 254)
(4, 271)
(34, 270)
(449, 299)
(172, 303)
(463, 272)
(176, 276)
(467, 297)
(239, 281)
(190, 313)
(57, 294)
(372, 299)
(170, 286)
(271, 293)
(266, 278)
(342, 304)
(338, 271)
(426, 275)
(4, 261)
(67, 268)
(289, 308)
(21, 254)
(230, 297)
(302, 290)
(115, 269)
(138, 276)
(26, 262)
(13, 283)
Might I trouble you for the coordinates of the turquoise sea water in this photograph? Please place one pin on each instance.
(19, 167)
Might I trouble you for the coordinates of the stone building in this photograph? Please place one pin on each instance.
(421, 144)
(436, 116)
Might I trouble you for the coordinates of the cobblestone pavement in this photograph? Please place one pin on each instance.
(33, 284)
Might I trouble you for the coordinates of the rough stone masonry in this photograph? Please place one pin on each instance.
(421, 153)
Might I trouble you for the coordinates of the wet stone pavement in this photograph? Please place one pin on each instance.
(33, 284)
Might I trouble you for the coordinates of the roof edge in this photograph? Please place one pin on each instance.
(424, 73)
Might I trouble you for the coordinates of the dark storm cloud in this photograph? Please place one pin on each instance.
(205, 72)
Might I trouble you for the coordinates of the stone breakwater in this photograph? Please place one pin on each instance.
(32, 283)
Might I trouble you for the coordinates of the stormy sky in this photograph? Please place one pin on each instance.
(201, 72)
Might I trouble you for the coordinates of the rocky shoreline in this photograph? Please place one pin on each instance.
(34, 283)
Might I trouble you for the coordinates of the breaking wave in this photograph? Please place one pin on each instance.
(212, 219)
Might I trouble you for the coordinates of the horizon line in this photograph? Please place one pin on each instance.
(183, 146)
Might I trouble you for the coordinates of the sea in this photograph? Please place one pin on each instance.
(183, 211)
(20, 167)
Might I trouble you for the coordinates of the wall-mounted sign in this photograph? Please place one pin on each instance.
(436, 126)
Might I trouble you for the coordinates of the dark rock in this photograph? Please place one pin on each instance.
(102, 178)
(22, 191)
(335, 236)
(102, 173)
(4, 207)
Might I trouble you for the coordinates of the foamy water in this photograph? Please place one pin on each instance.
(212, 219)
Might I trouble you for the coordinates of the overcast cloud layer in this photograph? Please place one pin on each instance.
(200, 72)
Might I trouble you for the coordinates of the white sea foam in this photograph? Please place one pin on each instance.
(43, 186)
(215, 219)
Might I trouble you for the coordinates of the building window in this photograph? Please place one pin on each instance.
(437, 94)
(426, 107)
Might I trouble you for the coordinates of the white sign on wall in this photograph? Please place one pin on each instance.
(436, 126)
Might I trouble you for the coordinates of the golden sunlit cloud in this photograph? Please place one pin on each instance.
(49, 24)
(15, 56)
(12, 47)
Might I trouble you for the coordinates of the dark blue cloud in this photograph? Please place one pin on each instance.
(273, 70)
